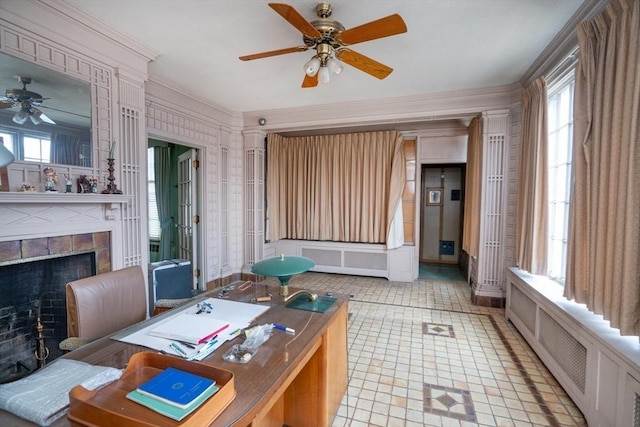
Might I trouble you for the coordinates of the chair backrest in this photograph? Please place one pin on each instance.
(103, 304)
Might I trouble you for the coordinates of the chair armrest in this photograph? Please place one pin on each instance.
(72, 343)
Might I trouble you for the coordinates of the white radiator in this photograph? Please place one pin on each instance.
(599, 369)
(355, 258)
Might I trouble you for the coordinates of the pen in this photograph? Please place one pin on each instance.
(235, 334)
(206, 347)
(188, 345)
(284, 328)
(179, 349)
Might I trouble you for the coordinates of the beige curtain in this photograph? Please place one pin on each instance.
(531, 212)
(603, 267)
(334, 187)
(473, 186)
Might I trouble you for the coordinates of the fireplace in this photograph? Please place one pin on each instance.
(33, 275)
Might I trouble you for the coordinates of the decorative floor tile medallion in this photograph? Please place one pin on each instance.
(438, 329)
(449, 402)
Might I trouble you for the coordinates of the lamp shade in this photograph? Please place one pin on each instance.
(324, 75)
(312, 66)
(35, 117)
(334, 66)
(6, 157)
(21, 117)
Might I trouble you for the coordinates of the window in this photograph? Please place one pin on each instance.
(154, 222)
(27, 144)
(36, 149)
(560, 123)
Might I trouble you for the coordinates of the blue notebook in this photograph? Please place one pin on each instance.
(167, 410)
(176, 387)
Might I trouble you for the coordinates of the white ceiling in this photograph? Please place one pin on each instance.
(450, 45)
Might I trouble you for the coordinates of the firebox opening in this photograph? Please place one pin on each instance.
(32, 289)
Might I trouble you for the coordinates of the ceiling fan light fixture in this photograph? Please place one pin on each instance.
(312, 66)
(324, 76)
(334, 66)
(21, 117)
(35, 117)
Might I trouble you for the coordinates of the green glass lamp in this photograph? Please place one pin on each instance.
(283, 267)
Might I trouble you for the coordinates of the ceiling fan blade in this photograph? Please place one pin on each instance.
(310, 81)
(364, 63)
(273, 53)
(44, 117)
(294, 18)
(383, 27)
(5, 105)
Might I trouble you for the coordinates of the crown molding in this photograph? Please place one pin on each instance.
(400, 110)
(166, 93)
(563, 44)
(68, 29)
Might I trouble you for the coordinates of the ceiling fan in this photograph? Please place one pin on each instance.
(330, 39)
(27, 101)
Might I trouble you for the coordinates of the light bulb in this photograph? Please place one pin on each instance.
(323, 75)
(21, 117)
(312, 66)
(334, 66)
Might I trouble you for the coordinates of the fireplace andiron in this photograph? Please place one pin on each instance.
(42, 352)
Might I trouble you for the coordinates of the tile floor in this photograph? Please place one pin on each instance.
(433, 271)
(421, 354)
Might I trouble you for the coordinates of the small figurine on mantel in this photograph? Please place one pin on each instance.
(84, 185)
(93, 183)
(68, 183)
(51, 179)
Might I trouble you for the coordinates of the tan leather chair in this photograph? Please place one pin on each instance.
(103, 304)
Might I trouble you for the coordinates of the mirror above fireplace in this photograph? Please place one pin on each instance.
(48, 94)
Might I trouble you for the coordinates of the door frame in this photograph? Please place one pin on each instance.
(201, 191)
(423, 201)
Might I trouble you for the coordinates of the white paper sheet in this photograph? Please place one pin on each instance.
(239, 315)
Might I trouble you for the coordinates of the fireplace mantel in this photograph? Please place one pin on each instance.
(26, 215)
(61, 198)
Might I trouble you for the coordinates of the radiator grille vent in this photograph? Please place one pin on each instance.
(524, 308)
(564, 348)
(323, 257)
(636, 412)
(369, 260)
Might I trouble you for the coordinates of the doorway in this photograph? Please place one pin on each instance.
(174, 205)
(441, 221)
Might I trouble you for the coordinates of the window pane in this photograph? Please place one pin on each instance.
(154, 222)
(560, 109)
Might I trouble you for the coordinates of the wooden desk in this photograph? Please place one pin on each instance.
(294, 380)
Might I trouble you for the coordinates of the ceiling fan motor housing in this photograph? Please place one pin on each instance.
(17, 96)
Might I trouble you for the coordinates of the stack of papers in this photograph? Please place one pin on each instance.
(174, 393)
(190, 328)
(194, 333)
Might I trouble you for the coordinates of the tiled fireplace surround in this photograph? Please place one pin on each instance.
(44, 297)
(37, 227)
